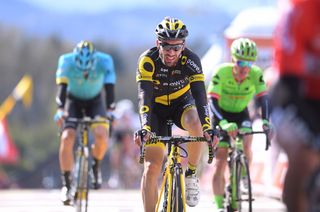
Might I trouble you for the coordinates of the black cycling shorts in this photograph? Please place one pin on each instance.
(77, 108)
(303, 118)
(162, 113)
(242, 119)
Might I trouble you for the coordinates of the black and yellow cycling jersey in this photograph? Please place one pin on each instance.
(167, 86)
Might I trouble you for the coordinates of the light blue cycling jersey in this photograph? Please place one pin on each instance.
(102, 73)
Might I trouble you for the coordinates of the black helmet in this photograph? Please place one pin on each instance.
(171, 29)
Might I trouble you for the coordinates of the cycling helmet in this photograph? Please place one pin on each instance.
(84, 55)
(244, 49)
(171, 29)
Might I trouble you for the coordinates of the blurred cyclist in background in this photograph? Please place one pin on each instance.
(125, 167)
(81, 77)
(231, 89)
(171, 86)
(296, 97)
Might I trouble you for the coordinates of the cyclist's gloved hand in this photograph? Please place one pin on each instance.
(266, 126)
(143, 134)
(245, 130)
(59, 116)
(110, 115)
(230, 127)
(210, 135)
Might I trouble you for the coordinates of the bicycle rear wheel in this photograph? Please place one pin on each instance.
(243, 186)
(82, 186)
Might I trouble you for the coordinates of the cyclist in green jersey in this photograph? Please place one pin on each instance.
(232, 87)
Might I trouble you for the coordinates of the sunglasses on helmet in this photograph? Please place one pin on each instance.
(242, 63)
(174, 47)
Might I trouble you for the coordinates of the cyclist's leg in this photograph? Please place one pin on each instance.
(68, 136)
(302, 161)
(247, 143)
(186, 117)
(100, 137)
(218, 179)
(297, 130)
(154, 155)
(66, 149)
(95, 109)
(153, 159)
(243, 121)
(190, 122)
(66, 159)
(67, 139)
(98, 151)
(66, 163)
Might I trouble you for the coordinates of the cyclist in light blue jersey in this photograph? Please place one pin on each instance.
(81, 77)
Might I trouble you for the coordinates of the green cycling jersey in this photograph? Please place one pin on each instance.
(234, 97)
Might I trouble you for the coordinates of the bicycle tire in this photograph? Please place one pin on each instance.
(173, 191)
(243, 195)
(167, 197)
(176, 198)
(82, 186)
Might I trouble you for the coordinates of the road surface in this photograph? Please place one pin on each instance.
(106, 200)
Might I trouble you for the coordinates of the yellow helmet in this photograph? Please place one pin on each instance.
(171, 29)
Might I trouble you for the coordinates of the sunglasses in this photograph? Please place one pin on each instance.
(175, 47)
(242, 63)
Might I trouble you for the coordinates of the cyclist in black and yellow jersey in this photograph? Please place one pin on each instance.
(171, 86)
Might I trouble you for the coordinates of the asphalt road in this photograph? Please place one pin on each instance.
(106, 200)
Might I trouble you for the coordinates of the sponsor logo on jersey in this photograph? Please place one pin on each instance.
(193, 65)
(176, 72)
(177, 83)
(165, 70)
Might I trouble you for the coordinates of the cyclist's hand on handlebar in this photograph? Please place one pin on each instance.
(230, 127)
(110, 115)
(141, 134)
(267, 127)
(244, 130)
(59, 117)
(210, 135)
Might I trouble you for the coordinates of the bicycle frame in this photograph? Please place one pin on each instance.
(82, 171)
(172, 171)
(172, 189)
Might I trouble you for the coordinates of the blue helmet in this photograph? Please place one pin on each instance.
(84, 55)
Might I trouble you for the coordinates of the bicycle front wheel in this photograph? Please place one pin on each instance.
(82, 188)
(173, 196)
(177, 198)
(243, 186)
